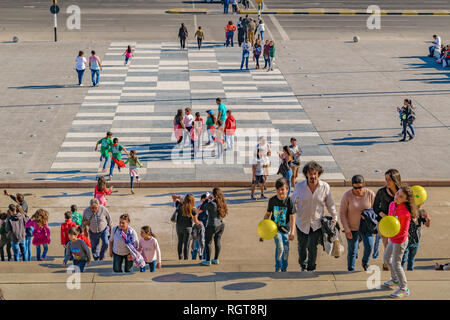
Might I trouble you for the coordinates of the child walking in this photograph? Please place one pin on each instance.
(219, 138)
(76, 216)
(149, 248)
(210, 121)
(101, 191)
(106, 145)
(76, 250)
(414, 238)
(133, 162)
(404, 208)
(65, 227)
(83, 234)
(41, 233)
(116, 157)
(281, 210)
(128, 54)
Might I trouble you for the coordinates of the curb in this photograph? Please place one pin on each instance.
(188, 11)
(197, 184)
(318, 11)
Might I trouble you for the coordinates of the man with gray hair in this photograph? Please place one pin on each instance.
(99, 221)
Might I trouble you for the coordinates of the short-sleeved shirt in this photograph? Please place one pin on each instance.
(223, 112)
(183, 221)
(76, 217)
(259, 167)
(81, 63)
(106, 144)
(116, 151)
(281, 212)
(188, 119)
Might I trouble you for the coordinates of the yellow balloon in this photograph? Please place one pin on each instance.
(389, 226)
(420, 194)
(267, 229)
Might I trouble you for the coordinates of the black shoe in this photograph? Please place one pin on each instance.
(411, 137)
(402, 140)
(365, 266)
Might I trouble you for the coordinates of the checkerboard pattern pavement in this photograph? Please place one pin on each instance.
(138, 102)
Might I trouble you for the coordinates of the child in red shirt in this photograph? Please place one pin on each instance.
(83, 234)
(65, 228)
(403, 208)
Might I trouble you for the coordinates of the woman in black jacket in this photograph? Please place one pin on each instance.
(186, 217)
(383, 198)
(407, 117)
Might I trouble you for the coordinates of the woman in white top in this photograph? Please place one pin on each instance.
(80, 66)
(261, 28)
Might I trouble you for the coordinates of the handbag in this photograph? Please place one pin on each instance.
(283, 168)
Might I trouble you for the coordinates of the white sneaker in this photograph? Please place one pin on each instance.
(400, 293)
(80, 84)
(390, 283)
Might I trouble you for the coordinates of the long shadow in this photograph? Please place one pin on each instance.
(340, 294)
(50, 86)
(230, 276)
(59, 172)
(66, 195)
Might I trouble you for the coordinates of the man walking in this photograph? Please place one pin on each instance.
(99, 221)
(251, 31)
(245, 54)
(310, 198)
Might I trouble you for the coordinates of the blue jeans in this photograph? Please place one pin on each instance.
(95, 238)
(80, 76)
(352, 250)
(409, 125)
(151, 266)
(410, 256)
(262, 35)
(126, 59)
(106, 160)
(431, 49)
(281, 251)
(80, 264)
(111, 168)
(230, 142)
(28, 248)
(230, 36)
(16, 246)
(118, 261)
(38, 252)
(210, 136)
(225, 7)
(245, 58)
(288, 177)
(266, 62)
(376, 246)
(95, 76)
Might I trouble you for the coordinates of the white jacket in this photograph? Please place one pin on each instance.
(261, 27)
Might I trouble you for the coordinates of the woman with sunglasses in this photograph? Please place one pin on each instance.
(353, 203)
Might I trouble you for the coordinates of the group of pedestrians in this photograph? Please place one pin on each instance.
(221, 129)
(200, 226)
(360, 211)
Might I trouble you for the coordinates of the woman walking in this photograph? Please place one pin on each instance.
(178, 126)
(271, 55)
(186, 215)
(260, 30)
(123, 246)
(182, 35)
(217, 210)
(407, 117)
(128, 54)
(96, 66)
(257, 52)
(80, 66)
(353, 203)
(383, 199)
(200, 35)
(285, 167)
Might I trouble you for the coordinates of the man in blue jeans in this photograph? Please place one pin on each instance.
(226, 4)
(95, 65)
(99, 221)
(245, 53)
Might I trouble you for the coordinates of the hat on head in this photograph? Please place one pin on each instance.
(210, 111)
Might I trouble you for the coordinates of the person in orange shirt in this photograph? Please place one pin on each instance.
(230, 28)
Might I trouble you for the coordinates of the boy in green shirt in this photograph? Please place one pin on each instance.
(106, 145)
(76, 216)
(116, 153)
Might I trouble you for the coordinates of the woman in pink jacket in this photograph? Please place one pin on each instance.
(404, 209)
(41, 232)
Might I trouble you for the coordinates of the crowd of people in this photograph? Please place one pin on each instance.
(90, 235)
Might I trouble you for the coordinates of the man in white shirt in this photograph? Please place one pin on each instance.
(310, 198)
(245, 53)
(436, 45)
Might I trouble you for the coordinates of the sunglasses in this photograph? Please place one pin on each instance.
(358, 188)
